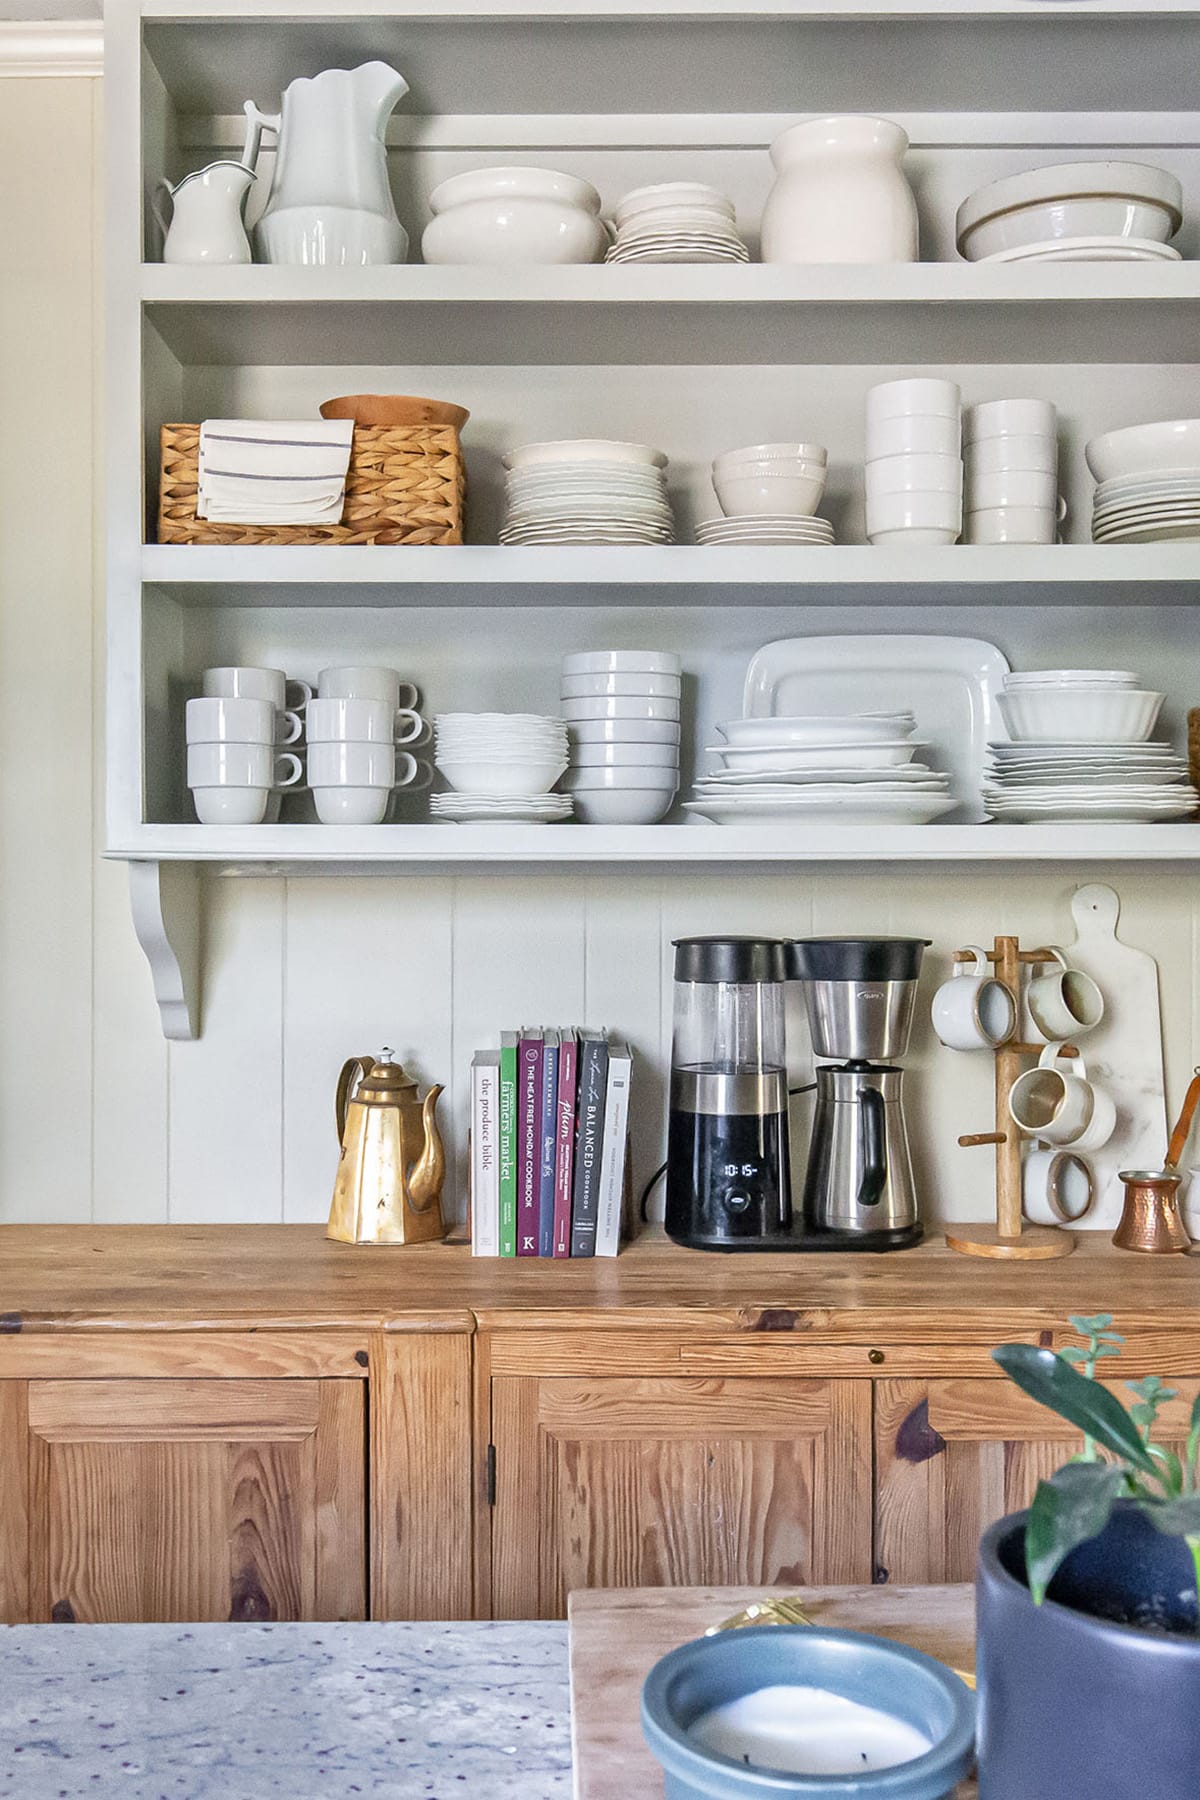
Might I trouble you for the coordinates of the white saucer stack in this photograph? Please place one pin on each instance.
(587, 491)
(501, 767)
(676, 222)
(855, 768)
(1079, 750)
(622, 712)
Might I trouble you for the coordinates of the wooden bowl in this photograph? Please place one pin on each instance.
(395, 409)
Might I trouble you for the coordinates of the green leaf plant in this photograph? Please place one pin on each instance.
(1119, 1460)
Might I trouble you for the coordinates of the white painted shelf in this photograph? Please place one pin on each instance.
(755, 313)
(283, 847)
(678, 574)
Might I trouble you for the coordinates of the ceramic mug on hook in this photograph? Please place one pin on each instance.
(1050, 1104)
(974, 1011)
(1064, 1005)
(1057, 1187)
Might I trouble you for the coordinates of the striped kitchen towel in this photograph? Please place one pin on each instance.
(273, 471)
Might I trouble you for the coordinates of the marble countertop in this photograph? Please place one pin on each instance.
(310, 1712)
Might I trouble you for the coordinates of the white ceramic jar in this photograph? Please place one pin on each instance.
(840, 195)
(514, 216)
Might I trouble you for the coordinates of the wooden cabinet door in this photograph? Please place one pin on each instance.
(675, 1482)
(953, 1456)
(190, 1499)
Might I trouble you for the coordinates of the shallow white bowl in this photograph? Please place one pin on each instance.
(1081, 199)
(622, 806)
(801, 756)
(583, 450)
(913, 394)
(768, 493)
(914, 474)
(620, 682)
(612, 756)
(668, 196)
(515, 775)
(1123, 716)
(914, 434)
(809, 453)
(831, 728)
(664, 777)
(1141, 449)
(597, 662)
(625, 706)
(624, 731)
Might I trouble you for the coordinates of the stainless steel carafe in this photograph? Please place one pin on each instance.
(859, 1176)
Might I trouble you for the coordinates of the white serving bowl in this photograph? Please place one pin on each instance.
(914, 394)
(599, 662)
(513, 216)
(787, 758)
(755, 453)
(1010, 418)
(1145, 449)
(989, 455)
(624, 731)
(915, 474)
(761, 490)
(831, 728)
(622, 806)
(612, 756)
(1081, 199)
(510, 775)
(230, 805)
(625, 706)
(1010, 525)
(1012, 487)
(914, 434)
(1123, 716)
(584, 450)
(618, 683)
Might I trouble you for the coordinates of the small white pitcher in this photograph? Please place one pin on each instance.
(205, 225)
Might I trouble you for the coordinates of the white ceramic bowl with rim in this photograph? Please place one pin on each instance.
(622, 806)
(1145, 449)
(625, 731)
(806, 757)
(513, 216)
(914, 434)
(1119, 716)
(620, 682)
(625, 706)
(1079, 199)
(511, 775)
(914, 474)
(831, 728)
(913, 394)
(612, 756)
(584, 450)
(600, 662)
(760, 489)
(756, 453)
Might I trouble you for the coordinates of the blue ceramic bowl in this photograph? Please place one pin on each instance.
(872, 1671)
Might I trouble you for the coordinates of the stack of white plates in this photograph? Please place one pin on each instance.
(856, 768)
(1147, 483)
(622, 712)
(676, 222)
(765, 528)
(1080, 751)
(501, 767)
(587, 491)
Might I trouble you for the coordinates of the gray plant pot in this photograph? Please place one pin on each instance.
(1076, 1704)
(710, 1671)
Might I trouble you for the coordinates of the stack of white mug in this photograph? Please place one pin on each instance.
(914, 471)
(235, 767)
(353, 726)
(1010, 450)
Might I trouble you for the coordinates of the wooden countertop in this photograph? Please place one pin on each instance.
(187, 1277)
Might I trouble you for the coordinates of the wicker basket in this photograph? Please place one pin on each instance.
(405, 485)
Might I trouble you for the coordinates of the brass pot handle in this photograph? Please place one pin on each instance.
(354, 1070)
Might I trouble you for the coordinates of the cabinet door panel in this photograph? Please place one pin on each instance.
(186, 1500)
(953, 1456)
(14, 1503)
(675, 1482)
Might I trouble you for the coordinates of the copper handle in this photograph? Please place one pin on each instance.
(1179, 1136)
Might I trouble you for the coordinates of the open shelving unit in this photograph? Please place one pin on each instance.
(694, 359)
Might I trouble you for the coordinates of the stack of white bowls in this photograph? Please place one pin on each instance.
(622, 712)
(1073, 212)
(501, 767)
(914, 471)
(587, 491)
(1010, 459)
(1079, 749)
(1148, 483)
(676, 222)
(233, 764)
(769, 494)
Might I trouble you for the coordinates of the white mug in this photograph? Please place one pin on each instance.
(352, 805)
(1064, 1005)
(913, 394)
(257, 684)
(365, 765)
(360, 682)
(242, 765)
(913, 434)
(974, 1011)
(999, 455)
(1102, 1123)
(411, 729)
(1011, 525)
(1009, 418)
(1051, 1105)
(1056, 1187)
(989, 490)
(231, 805)
(239, 720)
(350, 721)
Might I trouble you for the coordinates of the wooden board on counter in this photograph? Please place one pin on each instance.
(617, 1635)
(289, 1277)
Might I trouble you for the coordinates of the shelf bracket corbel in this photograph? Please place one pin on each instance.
(166, 920)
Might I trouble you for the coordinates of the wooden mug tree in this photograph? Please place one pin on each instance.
(1009, 1236)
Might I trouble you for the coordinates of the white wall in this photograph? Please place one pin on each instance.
(98, 1117)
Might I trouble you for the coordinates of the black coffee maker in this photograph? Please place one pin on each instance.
(728, 1176)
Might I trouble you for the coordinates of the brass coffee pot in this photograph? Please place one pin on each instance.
(389, 1177)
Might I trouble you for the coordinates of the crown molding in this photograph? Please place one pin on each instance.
(51, 47)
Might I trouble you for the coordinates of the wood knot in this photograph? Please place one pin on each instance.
(773, 1318)
(361, 1358)
(916, 1440)
(62, 1613)
(1045, 1340)
(11, 1322)
(249, 1603)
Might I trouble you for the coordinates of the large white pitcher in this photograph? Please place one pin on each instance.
(840, 195)
(330, 200)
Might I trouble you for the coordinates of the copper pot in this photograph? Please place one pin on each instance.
(1150, 1221)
